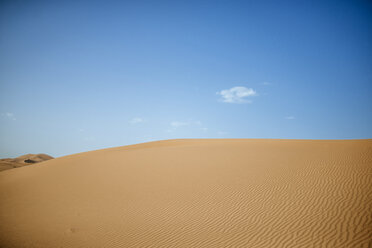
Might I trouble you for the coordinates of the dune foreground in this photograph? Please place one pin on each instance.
(194, 193)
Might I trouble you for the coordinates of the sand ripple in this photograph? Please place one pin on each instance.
(194, 193)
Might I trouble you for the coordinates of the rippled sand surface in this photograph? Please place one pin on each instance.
(194, 193)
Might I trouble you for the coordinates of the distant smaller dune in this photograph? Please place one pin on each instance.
(10, 163)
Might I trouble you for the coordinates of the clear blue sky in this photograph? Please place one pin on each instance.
(83, 75)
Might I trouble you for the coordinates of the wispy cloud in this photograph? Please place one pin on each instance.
(8, 115)
(238, 94)
(266, 83)
(136, 120)
(89, 138)
(198, 123)
(176, 124)
(290, 117)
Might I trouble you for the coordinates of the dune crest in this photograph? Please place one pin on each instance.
(194, 193)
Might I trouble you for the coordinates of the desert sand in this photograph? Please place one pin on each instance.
(194, 193)
(10, 163)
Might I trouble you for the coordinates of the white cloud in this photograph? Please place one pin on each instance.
(238, 94)
(145, 138)
(266, 83)
(136, 120)
(90, 138)
(198, 123)
(290, 117)
(8, 115)
(176, 124)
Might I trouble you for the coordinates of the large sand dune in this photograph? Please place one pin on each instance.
(194, 193)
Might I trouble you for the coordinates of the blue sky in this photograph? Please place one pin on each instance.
(83, 75)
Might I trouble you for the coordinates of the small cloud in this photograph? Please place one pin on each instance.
(191, 124)
(8, 115)
(238, 94)
(176, 124)
(198, 123)
(145, 137)
(90, 138)
(204, 129)
(136, 120)
(290, 117)
(266, 83)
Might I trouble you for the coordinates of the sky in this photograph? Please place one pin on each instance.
(84, 75)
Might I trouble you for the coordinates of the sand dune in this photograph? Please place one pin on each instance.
(194, 193)
(10, 163)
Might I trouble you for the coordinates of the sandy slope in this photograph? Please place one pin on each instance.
(194, 193)
(10, 163)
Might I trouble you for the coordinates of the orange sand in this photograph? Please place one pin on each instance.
(194, 193)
